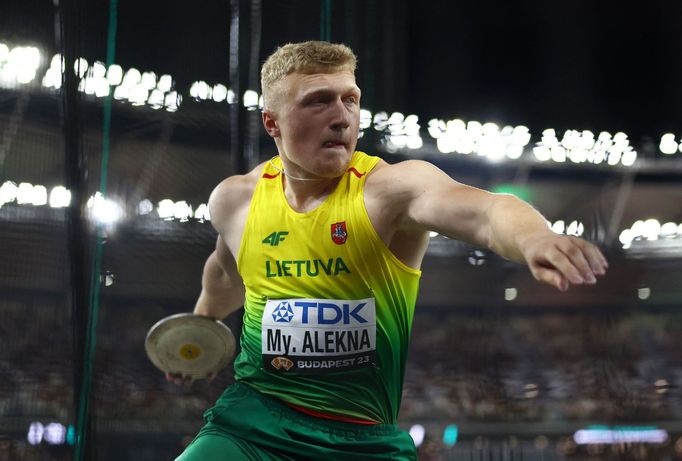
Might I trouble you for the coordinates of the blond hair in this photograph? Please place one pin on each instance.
(304, 57)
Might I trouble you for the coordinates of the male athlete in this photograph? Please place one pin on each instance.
(322, 245)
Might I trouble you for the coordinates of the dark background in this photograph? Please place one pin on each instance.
(508, 373)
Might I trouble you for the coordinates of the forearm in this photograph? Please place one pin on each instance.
(220, 294)
(512, 225)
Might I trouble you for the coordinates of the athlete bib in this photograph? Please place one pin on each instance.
(318, 335)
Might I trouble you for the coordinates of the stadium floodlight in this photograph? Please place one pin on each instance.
(559, 227)
(132, 77)
(202, 213)
(4, 52)
(668, 145)
(669, 230)
(99, 70)
(102, 88)
(165, 83)
(626, 237)
(200, 90)
(172, 101)
(25, 193)
(380, 121)
(115, 75)
(510, 294)
(417, 432)
(231, 97)
(60, 197)
(182, 211)
(8, 192)
(35, 433)
(145, 207)
(644, 293)
(165, 209)
(138, 95)
(250, 100)
(121, 92)
(219, 92)
(156, 99)
(55, 434)
(80, 67)
(365, 119)
(148, 80)
(103, 210)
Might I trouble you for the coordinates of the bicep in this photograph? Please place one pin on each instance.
(439, 203)
(225, 259)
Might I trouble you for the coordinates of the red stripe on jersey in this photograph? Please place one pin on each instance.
(270, 176)
(356, 172)
(319, 414)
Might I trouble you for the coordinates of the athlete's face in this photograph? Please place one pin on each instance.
(316, 123)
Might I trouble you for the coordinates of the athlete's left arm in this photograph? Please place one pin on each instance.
(431, 200)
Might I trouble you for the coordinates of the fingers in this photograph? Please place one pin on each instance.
(186, 380)
(568, 260)
(179, 379)
(551, 277)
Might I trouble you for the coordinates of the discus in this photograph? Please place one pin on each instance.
(190, 345)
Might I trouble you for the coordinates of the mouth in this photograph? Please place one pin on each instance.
(332, 144)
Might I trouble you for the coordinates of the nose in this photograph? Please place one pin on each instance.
(340, 117)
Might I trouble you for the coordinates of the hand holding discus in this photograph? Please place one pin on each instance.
(187, 347)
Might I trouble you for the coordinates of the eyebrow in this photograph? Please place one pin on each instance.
(326, 91)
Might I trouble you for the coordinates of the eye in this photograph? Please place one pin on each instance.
(352, 100)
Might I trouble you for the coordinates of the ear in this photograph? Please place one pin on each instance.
(270, 123)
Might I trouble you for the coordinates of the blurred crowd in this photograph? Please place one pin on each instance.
(535, 367)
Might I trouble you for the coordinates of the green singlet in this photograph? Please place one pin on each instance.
(327, 320)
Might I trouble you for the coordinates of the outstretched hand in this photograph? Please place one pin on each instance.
(186, 380)
(561, 261)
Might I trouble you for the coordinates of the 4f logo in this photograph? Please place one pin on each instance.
(276, 237)
(339, 233)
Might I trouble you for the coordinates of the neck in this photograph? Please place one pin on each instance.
(306, 193)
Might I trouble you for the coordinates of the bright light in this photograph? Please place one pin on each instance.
(200, 90)
(620, 435)
(417, 433)
(365, 119)
(35, 433)
(60, 197)
(103, 210)
(138, 95)
(250, 100)
(80, 66)
(55, 434)
(668, 229)
(182, 211)
(145, 207)
(626, 237)
(644, 293)
(165, 83)
(156, 99)
(115, 75)
(559, 227)
(202, 213)
(510, 294)
(172, 101)
(219, 93)
(148, 80)
(132, 77)
(8, 192)
(668, 145)
(165, 209)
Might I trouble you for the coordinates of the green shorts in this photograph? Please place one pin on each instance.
(247, 425)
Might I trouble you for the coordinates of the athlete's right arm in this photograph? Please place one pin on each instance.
(222, 289)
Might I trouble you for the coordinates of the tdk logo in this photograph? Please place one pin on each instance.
(329, 313)
(283, 313)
